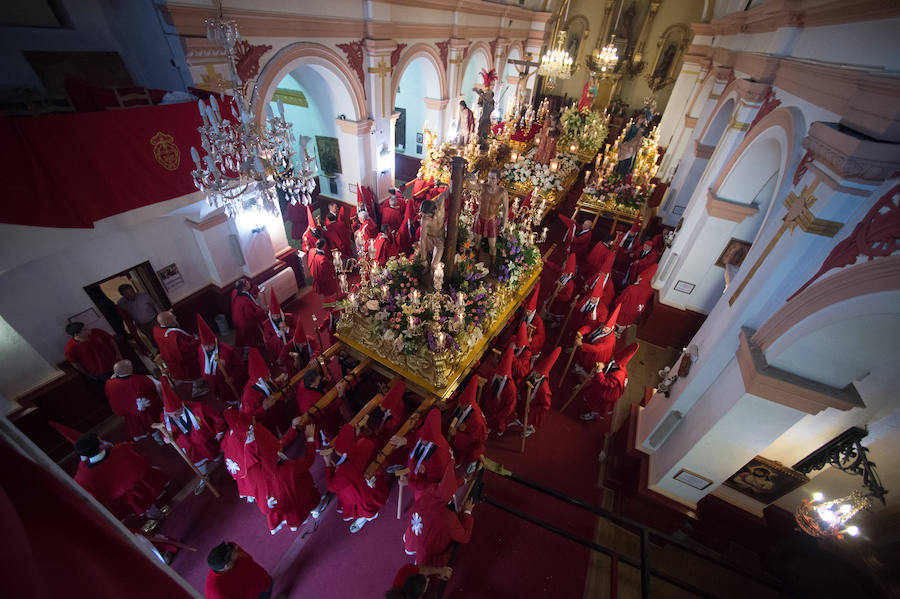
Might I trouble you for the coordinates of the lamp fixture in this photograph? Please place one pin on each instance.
(557, 62)
(605, 60)
(244, 163)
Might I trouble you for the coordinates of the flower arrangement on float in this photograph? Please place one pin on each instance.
(436, 163)
(584, 129)
(544, 177)
(620, 190)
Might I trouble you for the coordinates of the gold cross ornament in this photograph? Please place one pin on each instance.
(382, 70)
(211, 80)
(798, 215)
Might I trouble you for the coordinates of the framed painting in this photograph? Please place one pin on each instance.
(734, 253)
(765, 480)
(329, 154)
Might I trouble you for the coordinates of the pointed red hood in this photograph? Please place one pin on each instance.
(646, 275)
(299, 332)
(546, 363)
(393, 399)
(171, 402)
(531, 303)
(625, 354)
(607, 265)
(504, 368)
(310, 221)
(430, 431)
(68, 432)
(409, 211)
(257, 366)
(207, 337)
(611, 321)
(597, 291)
(264, 447)
(274, 305)
(444, 490)
(657, 241)
(467, 397)
(345, 442)
(571, 264)
(570, 227)
(522, 335)
(238, 421)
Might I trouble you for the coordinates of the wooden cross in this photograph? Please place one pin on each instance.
(798, 215)
(523, 75)
(382, 70)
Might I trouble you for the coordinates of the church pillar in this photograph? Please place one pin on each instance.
(710, 220)
(358, 156)
(457, 52)
(436, 111)
(378, 90)
(676, 126)
(696, 155)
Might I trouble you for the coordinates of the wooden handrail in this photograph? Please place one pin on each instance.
(317, 408)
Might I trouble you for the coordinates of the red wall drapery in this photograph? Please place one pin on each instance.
(72, 170)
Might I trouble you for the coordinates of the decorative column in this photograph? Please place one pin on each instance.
(456, 53)
(357, 147)
(710, 220)
(436, 115)
(696, 155)
(677, 126)
(645, 31)
(814, 228)
(378, 91)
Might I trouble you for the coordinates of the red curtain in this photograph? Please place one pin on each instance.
(72, 170)
(57, 545)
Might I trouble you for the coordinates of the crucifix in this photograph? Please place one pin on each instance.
(382, 70)
(798, 215)
(523, 75)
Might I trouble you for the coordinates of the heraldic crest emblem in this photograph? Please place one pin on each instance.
(165, 152)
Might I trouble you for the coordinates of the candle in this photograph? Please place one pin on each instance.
(415, 297)
(412, 323)
(440, 340)
(461, 298)
(572, 148)
(343, 281)
(554, 166)
(352, 299)
(514, 156)
(544, 235)
(384, 291)
(587, 176)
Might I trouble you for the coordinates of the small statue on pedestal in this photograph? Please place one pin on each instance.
(493, 198)
(434, 232)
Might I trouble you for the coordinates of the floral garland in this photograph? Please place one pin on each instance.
(514, 256)
(526, 170)
(584, 128)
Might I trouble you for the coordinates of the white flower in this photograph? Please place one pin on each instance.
(416, 523)
(232, 466)
(372, 305)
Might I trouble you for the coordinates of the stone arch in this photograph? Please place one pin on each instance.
(300, 54)
(696, 105)
(476, 48)
(429, 53)
(721, 115)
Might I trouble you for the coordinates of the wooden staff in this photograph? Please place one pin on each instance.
(568, 316)
(400, 497)
(575, 347)
(583, 384)
(481, 382)
(546, 308)
(316, 409)
(314, 364)
(220, 364)
(318, 332)
(527, 409)
(388, 449)
(162, 428)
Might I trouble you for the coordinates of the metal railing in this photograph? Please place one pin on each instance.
(645, 534)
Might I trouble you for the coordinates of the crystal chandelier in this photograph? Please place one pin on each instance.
(557, 62)
(605, 59)
(244, 163)
(821, 518)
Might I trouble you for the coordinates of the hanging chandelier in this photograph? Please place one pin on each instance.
(246, 164)
(604, 60)
(557, 62)
(821, 518)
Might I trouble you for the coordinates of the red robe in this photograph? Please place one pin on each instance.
(214, 377)
(581, 245)
(275, 418)
(639, 264)
(178, 348)
(385, 249)
(330, 420)
(245, 580)
(609, 289)
(369, 229)
(433, 528)
(308, 243)
(136, 399)
(392, 217)
(600, 350)
(244, 473)
(430, 470)
(275, 340)
(498, 409)
(586, 317)
(287, 493)
(95, 354)
(605, 390)
(321, 268)
(540, 401)
(538, 335)
(247, 317)
(595, 259)
(338, 236)
(468, 444)
(124, 482)
(563, 300)
(521, 365)
(633, 301)
(356, 498)
(200, 442)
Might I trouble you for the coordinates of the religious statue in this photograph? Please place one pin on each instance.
(492, 199)
(486, 101)
(433, 231)
(588, 93)
(465, 127)
(630, 145)
(549, 135)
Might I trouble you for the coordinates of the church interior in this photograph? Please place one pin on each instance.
(567, 298)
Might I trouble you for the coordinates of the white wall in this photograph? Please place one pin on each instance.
(419, 81)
